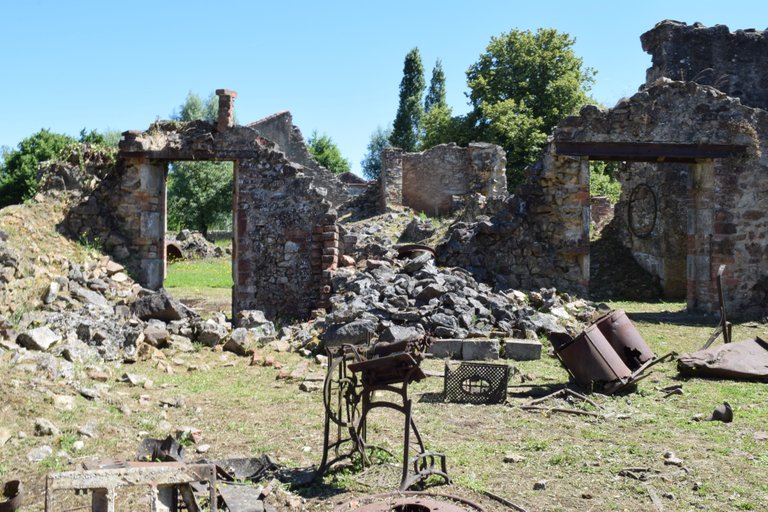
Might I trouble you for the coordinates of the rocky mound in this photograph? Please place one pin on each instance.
(403, 299)
(193, 245)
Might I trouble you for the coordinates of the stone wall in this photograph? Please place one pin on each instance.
(125, 214)
(432, 180)
(726, 218)
(279, 128)
(733, 62)
(285, 235)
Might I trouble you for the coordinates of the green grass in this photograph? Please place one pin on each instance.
(204, 273)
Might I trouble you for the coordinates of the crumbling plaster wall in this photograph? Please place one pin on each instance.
(733, 62)
(726, 215)
(431, 180)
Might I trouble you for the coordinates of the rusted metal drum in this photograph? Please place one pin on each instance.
(622, 335)
(593, 362)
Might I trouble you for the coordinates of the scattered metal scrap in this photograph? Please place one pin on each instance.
(354, 375)
(746, 359)
(608, 356)
(723, 412)
(13, 492)
(535, 405)
(412, 250)
(160, 450)
(240, 469)
(162, 468)
(725, 326)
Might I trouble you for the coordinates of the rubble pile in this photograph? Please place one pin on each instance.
(395, 300)
(56, 313)
(194, 245)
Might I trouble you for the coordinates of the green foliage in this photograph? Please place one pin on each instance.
(438, 125)
(514, 127)
(327, 153)
(199, 193)
(67, 441)
(602, 181)
(521, 87)
(371, 163)
(436, 92)
(406, 130)
(195, 109)
(18, 171)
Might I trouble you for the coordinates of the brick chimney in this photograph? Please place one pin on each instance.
(226, 109)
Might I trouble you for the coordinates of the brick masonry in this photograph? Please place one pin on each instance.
(432, 181)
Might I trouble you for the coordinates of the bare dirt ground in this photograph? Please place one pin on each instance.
(245, 410)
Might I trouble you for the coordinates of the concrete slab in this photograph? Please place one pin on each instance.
(448, 348)
(522, 349)
(480, 350)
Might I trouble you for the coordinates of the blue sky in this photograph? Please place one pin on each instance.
(336, 66)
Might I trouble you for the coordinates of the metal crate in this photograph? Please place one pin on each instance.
(476, 383)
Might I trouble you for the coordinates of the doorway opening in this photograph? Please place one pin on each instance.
(199, 235)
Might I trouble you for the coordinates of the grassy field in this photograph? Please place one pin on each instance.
(203, 284)
(200, 274)
(246, 411)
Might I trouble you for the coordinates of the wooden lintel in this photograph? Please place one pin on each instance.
(648, 151)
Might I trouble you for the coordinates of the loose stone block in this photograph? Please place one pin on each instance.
(480, 350)
(448, 348)
(522, 350)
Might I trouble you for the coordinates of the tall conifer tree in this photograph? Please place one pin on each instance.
(406, 130)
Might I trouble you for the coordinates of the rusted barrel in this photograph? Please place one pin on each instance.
(593, 362)
(622, 335)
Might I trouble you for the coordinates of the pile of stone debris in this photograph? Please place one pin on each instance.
(93, 312)
(396, 300)
(193, 245)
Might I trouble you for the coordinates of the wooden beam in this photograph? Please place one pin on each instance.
(648, 151)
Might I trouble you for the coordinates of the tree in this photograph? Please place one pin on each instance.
(438, 125)
(18, 171)
(521, 87)
(195, 109)
(436, 92)
(327, 153)
(406, 129)
(199, 193)
(371, 163)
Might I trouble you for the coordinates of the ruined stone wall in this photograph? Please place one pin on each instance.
(733, 62)
(726, 215)
(430, 181)
(286, 241)
(279, 128)
(280, 228)
(125, 214)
